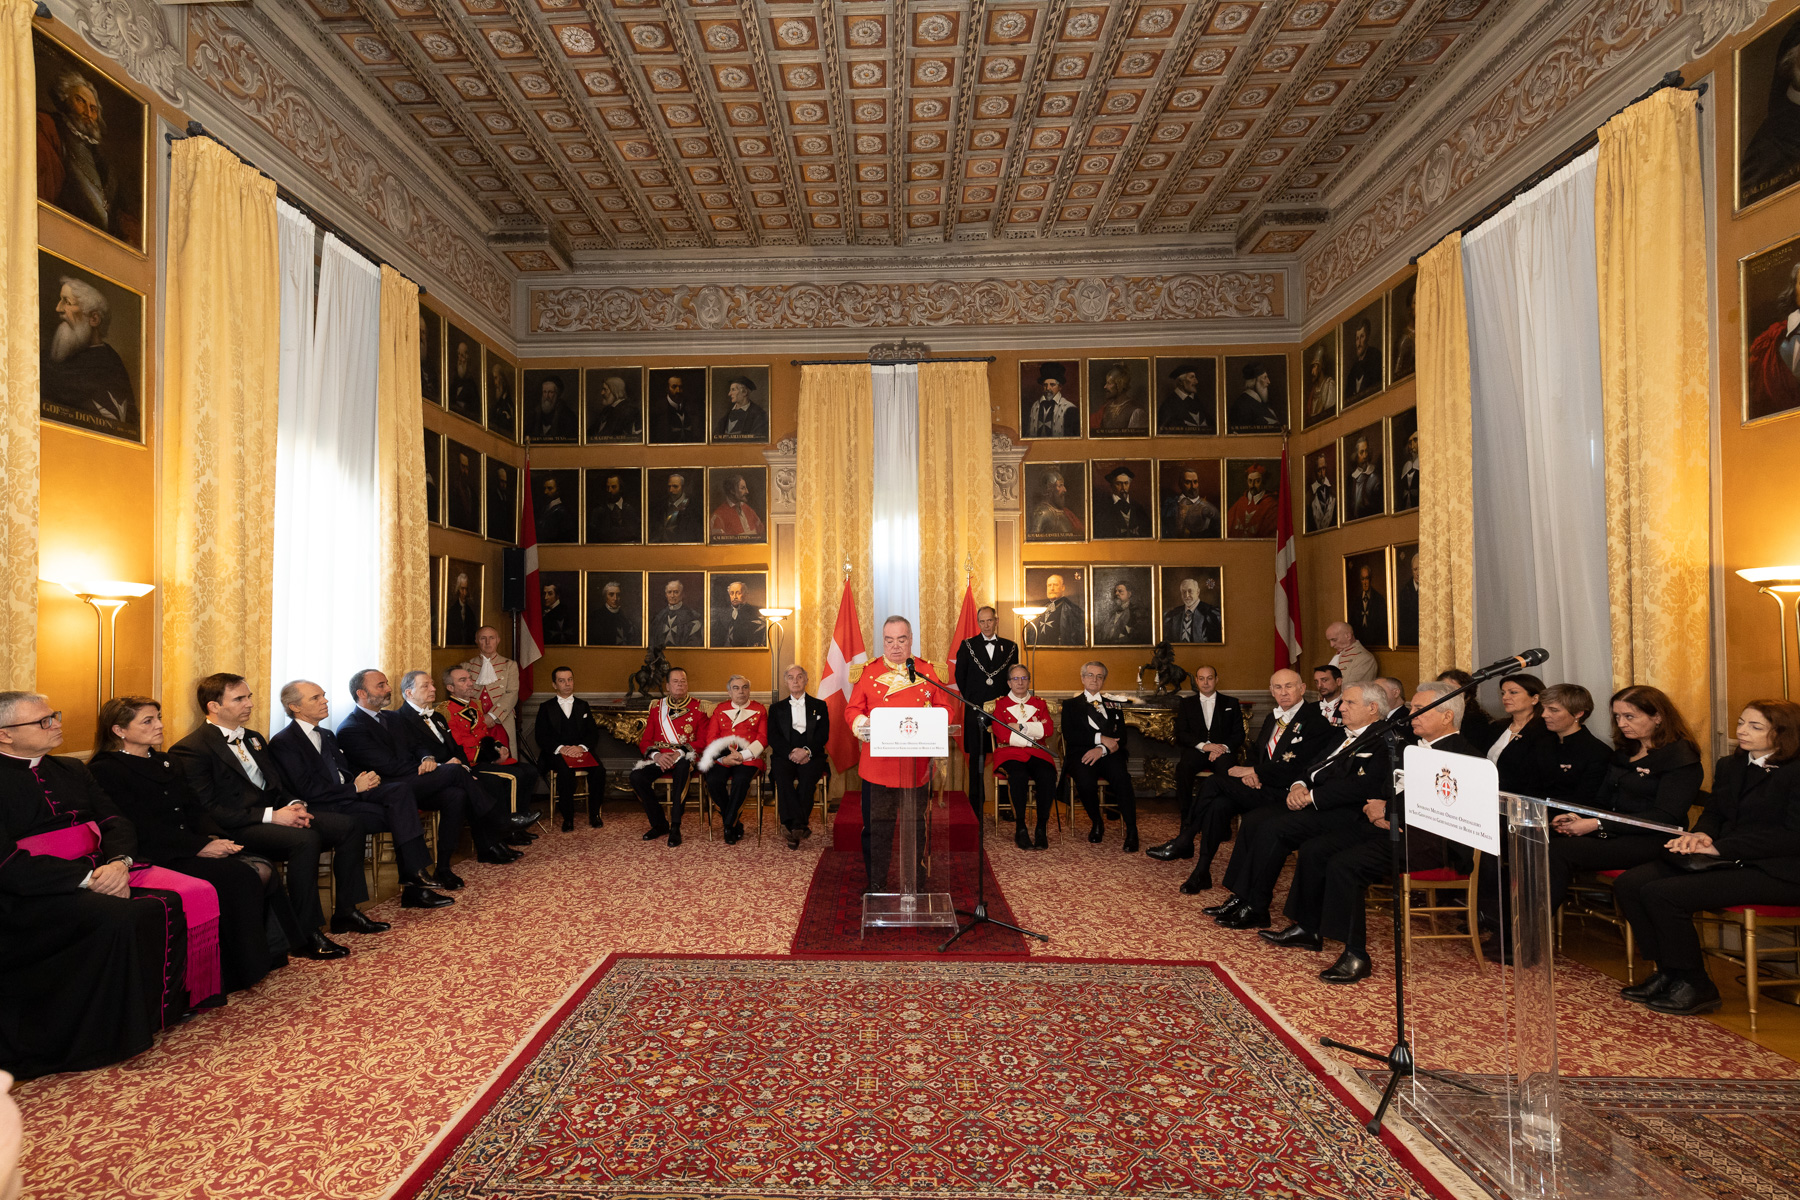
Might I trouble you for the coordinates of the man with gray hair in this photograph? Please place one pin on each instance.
(1329, 797)
(1333, 871)
(1093, 728)
(74, 172)
(83, 378)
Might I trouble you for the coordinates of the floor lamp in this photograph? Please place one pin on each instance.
(1774, 582)
(1029, 613)
(775, 616)
(107, 597)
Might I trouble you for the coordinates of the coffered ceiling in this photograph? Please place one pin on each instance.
(618, 131)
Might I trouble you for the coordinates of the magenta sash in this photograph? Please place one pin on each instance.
(199, 901)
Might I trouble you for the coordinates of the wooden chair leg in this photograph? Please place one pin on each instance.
(1630, 955)
(1750, 964)
(1470, 905)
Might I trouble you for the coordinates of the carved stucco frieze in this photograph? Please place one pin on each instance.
(783, 476)
(1198, 296)
(1719, 19)
(1009, 457)
(135, 33)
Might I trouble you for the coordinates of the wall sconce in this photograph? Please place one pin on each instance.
(1029, 613)
(1776, 582)
(107, 596)
(775, 616)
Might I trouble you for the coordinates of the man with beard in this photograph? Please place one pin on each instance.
(1772, 159)
(73, 173)
(1362, 375)
(464, 616)
(1051, 518)
(737, 623)
(1252, 409)
(679, 520)
(555, 519)
(465, 380)
(1321, 496)
(1252, 514)
(1052, 414)
(610, 624)
(1365, 498)
(735, 520)
(1188, 514)
(676, 417)
(1124, 414)
(615, 521)
(614, 417)
(743, 420)
(1406, 485)
(1116, 514)
(1321, 383)
(1123, 621)
(553, 420)
(1184, 413)
(83, 378)
(465, 501)
(1062, 623)
(500, 398)
(559, 619)
(676, 624)
(1193, 620)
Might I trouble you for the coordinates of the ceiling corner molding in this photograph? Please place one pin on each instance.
(141, 35)
(1720, 19)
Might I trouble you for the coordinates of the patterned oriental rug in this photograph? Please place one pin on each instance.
(664, 1077)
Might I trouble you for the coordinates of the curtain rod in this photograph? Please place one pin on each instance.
(883, 362)
(1587, 142)
(195, 129)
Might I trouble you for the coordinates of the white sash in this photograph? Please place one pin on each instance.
(668, 726)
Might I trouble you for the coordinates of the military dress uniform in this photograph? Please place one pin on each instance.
(678, 728)
(886, 781)
(745, 730)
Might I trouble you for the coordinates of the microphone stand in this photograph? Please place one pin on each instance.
(980, 915)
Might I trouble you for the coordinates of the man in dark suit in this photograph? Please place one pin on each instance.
(737, 622)
(309, 756)
(1292, 736)
(1094, 749)
(611, 624)
(1116, 514)
(675, 624)
(675, 515)
(565, 725)
(555, 517)
(1333, 871)
(424, 732)
(675, 416)
(614, 519)
(1193, 620)
(743, 419)
(559, 619)
(1329, 798)
(981, 665)
(1209, 728)
(1183, 412)
(235, 776)
(799, 727)
(553, 420)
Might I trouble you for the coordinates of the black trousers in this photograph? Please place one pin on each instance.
(454, 795)
(1265, 839)
(1310, 902)
(728, 786)
(562, 777)
(642, 779)
(795, 784)
(1660, 902)
(881, 815)
(1589, 853)
(245, 902)
(1221, 799)
(389, 808)
(300, 850)
(515, 796)
(1023, 774)
(978, 751)
(1116, 770)
(1188, 777)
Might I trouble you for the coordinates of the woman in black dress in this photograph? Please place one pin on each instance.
(1753, 822)
(1654, 774)
(1571, 762)
(174, 831)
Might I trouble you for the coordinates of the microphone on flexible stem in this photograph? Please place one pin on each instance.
(913, 675)
(1515, 662)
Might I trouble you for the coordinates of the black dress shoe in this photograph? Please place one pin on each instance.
(1224, 906)
(1657, 985)
(321, 947)
(1245, 917)
(1096, 833)
(650, 835)
(594, 821)
(674, 837)
(1021, 839)
(805, 832)
(731, 836)
(447, 880)
(1294, 936)
(1687, 999)
(793, 839)
(519, 837)
(1131, 843)
(520, 820)
(497, 855)
(568, 824)
(415, 895)
(1041, 841)
(355, 922)
(1169, 851)
(1350, 967)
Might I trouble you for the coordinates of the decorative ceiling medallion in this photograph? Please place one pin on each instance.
(934, 28)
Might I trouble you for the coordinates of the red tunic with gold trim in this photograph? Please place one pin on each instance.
(681, 729)
(1031, 715)
(745, 730)
(884, 685)
(468, 725)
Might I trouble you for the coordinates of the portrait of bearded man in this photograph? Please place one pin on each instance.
(90, 145)
(87, 382)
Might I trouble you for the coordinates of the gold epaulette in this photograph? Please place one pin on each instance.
(857, 669)
(992, 705)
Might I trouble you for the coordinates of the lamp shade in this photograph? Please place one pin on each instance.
(104, 589)
(1776, 579)
(1030, 612)
(776, 614)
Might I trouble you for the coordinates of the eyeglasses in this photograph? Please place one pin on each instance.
(54, 718)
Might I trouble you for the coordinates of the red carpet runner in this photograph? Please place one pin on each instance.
(767, 1077)
(831, 919)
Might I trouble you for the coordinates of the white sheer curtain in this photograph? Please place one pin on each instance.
(327, 552)
(1534, 355)
(894, 539)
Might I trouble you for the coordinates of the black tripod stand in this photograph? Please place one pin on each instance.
(1399, 1059)
(980, 916)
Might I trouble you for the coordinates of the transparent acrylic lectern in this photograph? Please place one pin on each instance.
(899, 735)
(1512, 1121)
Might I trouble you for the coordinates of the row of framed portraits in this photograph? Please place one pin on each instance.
(1360, 357)
(700, 610)
(1381, 596)
(1124, 604)
(1368, 472)
(596, 506)
(1153, 397)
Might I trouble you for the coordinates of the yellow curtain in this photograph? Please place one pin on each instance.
(18, 352)
(1650, 227)
(833, 503)
(1446, 450)
(956, 497)
(400, 430)
(221, 356)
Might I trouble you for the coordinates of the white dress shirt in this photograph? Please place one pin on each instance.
(798, 705)
(1207, 704)
(234, 738)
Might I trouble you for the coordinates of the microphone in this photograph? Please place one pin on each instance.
(1516, 662)
(913, 675)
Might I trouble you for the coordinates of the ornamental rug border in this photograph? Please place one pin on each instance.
(1317, 1102)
